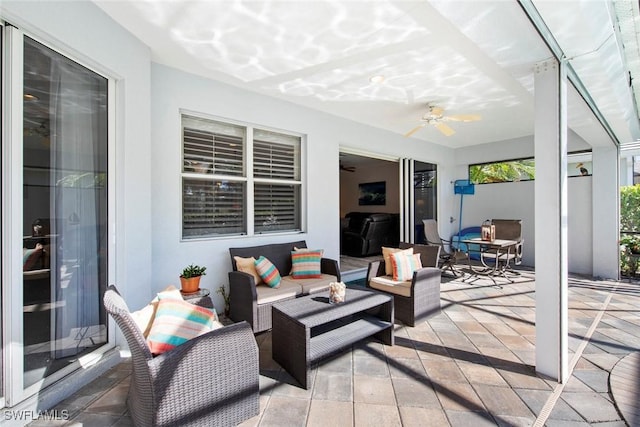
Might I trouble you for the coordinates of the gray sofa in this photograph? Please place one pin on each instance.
(253, 303)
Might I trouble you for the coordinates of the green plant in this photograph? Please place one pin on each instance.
(631, 243)
(193, 271)
(629, 222)
(222, 290)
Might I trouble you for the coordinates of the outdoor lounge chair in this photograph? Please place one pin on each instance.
(210, 380)
(449, 256)
(416, 299)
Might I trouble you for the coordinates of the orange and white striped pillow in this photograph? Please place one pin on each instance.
(269, 273)
(386, 253)
(403, 265)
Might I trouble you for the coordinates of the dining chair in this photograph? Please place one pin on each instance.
(507, 229)
(449, 256)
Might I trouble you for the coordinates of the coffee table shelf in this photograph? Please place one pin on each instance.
(334, 340)
(308, 329)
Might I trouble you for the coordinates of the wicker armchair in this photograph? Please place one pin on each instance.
(416, 299)
(211, 380)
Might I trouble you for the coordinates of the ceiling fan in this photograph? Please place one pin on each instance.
(437, 119)
(347, 168)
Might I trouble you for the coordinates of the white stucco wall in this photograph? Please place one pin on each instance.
(515, 200)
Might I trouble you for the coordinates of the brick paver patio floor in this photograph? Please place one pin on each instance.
(471, 365)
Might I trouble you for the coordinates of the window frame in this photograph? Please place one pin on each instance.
(572, 154)
(247, 178)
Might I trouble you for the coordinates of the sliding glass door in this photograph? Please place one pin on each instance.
(55, 209)
(64, 211)
(418, 181)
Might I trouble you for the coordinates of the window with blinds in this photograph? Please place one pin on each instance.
(216, 177)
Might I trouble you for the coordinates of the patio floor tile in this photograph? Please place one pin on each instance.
(329, 413)
(332, 386)
(367, 414)
(415, 393)
(470, 418)
(285, 411)
(416, 417)
(373, 390)
(503, 401)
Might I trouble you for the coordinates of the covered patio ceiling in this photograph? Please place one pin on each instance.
(382, 62)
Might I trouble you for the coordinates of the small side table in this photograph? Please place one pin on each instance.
(200, 297)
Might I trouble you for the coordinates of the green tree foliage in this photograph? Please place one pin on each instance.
(630, 208)
(515, 170)
(629, 221)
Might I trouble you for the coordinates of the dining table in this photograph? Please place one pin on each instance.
(497, 251)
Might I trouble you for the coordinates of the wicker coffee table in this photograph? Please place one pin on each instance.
(308, 329)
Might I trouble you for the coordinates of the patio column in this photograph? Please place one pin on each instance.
(550, 141)
(606, 208)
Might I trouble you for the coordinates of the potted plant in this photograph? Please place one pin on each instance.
(190, 278)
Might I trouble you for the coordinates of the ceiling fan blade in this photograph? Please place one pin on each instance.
(463, 118)
(414, 130)
(445, 129)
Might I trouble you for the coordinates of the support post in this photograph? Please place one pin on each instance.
(606, 208)
(550, 141)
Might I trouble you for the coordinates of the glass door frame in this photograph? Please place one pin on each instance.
(408, 199)
(12, 217)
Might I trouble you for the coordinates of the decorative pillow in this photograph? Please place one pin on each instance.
(176, 322)
(248, 265)
(386, 252)
(305, 263)
(169, 292)
(144, 316)
(404, 265)
(269, 273)
(31, 258)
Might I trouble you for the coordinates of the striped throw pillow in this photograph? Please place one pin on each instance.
(404, 265)
(305, 263)
(269, 273)
(386, 253)
(176, 322)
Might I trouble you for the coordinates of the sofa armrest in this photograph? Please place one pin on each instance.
(376, 268)
(425, 277)
(330, 266)
(230, 352)
(243, 303)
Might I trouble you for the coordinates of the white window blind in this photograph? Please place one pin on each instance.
(211, 207)
(276, 207)
(216, 177)
(212, 148)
